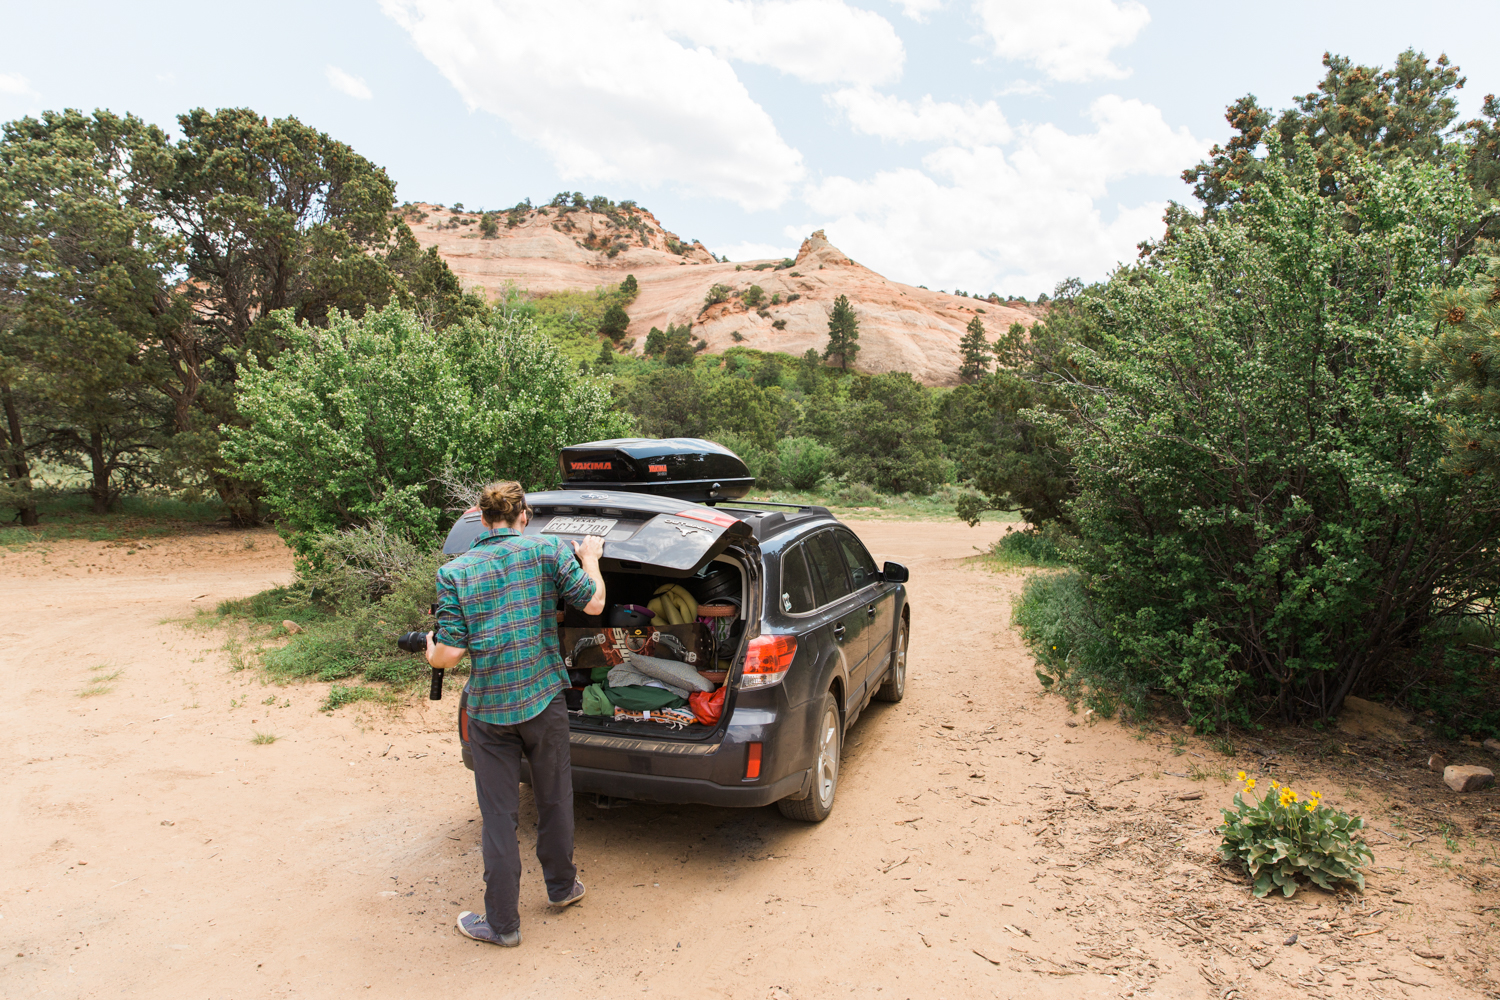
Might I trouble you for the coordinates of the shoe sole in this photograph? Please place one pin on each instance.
(569, 901)
(502, 942)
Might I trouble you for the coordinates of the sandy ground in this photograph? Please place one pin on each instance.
(985, 842)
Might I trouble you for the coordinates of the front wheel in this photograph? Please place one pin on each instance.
(894, 688)
(819, 802)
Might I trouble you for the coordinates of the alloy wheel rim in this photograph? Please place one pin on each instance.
(828, 762)
(901, 659)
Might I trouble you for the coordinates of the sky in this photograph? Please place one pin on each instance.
(984, 145)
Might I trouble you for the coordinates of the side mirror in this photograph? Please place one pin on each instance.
(895, 573)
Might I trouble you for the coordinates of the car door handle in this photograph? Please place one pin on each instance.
(838, 631)
(870, 611)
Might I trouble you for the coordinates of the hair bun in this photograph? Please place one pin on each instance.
(502, 501)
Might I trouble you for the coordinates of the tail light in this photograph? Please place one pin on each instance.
(767, 660)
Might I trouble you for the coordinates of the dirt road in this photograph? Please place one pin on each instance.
(985, 842)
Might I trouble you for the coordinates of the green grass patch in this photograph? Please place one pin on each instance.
(264, 739)
(347, 694)
(69, 515)
(1020, 549)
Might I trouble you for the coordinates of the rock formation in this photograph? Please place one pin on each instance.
(548, 249)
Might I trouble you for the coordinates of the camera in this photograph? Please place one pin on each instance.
(412, 642)
(416, 642)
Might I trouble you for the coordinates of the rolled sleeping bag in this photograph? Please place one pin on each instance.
(673, 673)
(623, 675)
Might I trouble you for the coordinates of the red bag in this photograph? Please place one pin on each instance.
(707, 706)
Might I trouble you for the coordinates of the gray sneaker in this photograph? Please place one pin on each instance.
(472, 925)
(570, 898)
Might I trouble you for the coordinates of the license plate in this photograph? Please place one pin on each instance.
(578, 526)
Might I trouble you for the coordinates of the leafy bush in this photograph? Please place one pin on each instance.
(753, 296)
(858, 495)
(1073, 650)
(351, 424)
(887, 435)
(1029, 548)
(1279, 838)
(803, 462)
(359, 564)
(716, 295)
(1265, 517)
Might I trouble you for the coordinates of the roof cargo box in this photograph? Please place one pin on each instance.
(684, 468)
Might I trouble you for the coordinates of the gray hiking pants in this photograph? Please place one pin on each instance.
(497, 754)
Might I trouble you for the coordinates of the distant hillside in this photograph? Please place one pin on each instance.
(550, 249)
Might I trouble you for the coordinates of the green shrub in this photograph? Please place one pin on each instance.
(1279, 838)
(887, 435)
(716, 295)
(1029, 548)
(614, 323)
(1075, 654)
(1266, 520)
(753, 296)
(858, 495)
(351, 424)
(803, 462)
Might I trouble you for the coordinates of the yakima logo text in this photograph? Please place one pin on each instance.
(590, 466)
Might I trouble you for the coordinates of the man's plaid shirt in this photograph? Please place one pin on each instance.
(499, 600)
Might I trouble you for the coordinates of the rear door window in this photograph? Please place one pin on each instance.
(862, 570)
(830, 581)
(796, 585)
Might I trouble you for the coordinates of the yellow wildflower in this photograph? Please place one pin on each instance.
(1275, 785)
(1241, 776)
(1311, 806)
(1249, 783)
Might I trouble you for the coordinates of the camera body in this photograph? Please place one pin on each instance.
(412, 642)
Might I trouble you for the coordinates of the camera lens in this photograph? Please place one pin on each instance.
(413, 642)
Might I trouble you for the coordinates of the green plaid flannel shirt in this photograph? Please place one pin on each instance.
(499, 600)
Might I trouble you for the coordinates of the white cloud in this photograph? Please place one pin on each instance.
(918, 10)
(16, 84)
(817, 41)
(741, 252)
(346, 83)
(1069, 40)
(662, 103)
(1018, 221)
(889, 117)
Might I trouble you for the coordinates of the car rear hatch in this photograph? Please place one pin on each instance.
(649, 542)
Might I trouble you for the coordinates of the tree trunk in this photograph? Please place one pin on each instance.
(16, 466)
(100, 490)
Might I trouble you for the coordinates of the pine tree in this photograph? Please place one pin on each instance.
(606, 355)
(843, 333)
(614, 322)
(975, 351)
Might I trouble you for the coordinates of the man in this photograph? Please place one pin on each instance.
(498, 603)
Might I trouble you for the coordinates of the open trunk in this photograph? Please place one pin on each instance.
(705, 649)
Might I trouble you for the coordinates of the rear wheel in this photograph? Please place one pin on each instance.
(825, 785)
(894, 688)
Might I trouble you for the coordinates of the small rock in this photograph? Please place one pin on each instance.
(1468, 778)
(1071, 725)
(1290, 941)
(292, 626)
(1493, 746)
(1189, 796)
(1431, 955)
(1436, 762)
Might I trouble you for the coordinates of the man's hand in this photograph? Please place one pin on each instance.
(589, 550)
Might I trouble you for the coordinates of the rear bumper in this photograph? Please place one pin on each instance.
(662, 788)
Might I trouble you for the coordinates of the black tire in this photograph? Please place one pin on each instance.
(830, 741)
(894, 688)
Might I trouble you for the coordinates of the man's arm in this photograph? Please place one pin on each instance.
(588, 551)
(449, 643)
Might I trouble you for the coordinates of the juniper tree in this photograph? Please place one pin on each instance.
(843, 333)
(975, 352)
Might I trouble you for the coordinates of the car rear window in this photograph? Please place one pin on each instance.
(861, 567)
(796, 585)
(830, 582)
